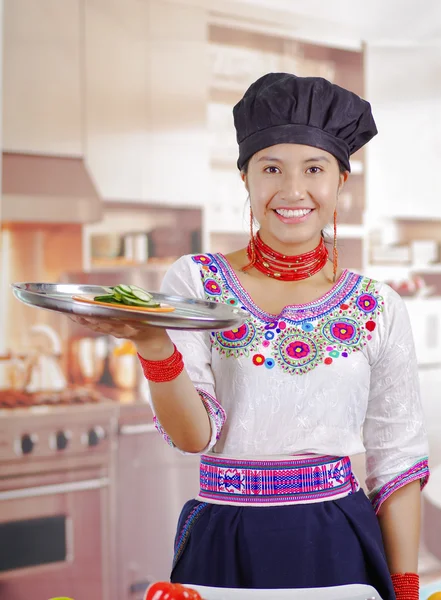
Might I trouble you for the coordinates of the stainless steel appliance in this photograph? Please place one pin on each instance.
(56, 501)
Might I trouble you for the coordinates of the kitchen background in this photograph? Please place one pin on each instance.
(118, 156)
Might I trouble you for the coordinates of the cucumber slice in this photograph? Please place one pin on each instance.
(141, 295)
(131, 295)
(136, 288)
(122, 293)
(141, 303)
(124, 289)
(109, 298)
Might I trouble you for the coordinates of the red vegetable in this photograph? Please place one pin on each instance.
(185, 593)
(163, 590)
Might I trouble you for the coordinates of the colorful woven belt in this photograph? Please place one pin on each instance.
(302, 480)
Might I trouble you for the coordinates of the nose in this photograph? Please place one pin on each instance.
(293, 187)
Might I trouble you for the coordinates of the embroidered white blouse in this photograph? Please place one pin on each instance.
(337, 376)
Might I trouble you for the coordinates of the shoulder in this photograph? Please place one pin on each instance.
(381, 290)
(379, 297)
(185, 275)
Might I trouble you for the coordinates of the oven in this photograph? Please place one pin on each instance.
(56, 503)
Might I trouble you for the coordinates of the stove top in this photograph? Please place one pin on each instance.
(11, 399)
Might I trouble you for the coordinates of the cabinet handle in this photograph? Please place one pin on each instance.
(50, 490)
(137, 429)
(139, 586)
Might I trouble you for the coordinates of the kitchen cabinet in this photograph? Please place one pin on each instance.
(228, 210)
(42, 79)
(153, 483)
(176, 169)
(403, 158)
(116, 95)
(425, 319)
(123, 82)
(145, 100)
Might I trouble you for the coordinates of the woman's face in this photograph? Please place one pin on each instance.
(293, 192)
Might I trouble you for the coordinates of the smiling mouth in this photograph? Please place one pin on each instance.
(290, 214)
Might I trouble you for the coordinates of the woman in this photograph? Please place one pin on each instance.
(323, 368)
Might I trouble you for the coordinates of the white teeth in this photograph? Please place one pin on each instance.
(288, 214)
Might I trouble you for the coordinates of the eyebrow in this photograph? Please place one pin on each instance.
(317, 159)
(313, 159)
(268, 159)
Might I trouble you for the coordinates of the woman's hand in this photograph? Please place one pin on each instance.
(152, 343)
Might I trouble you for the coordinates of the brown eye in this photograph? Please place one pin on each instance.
(272, 170)
(314, 170)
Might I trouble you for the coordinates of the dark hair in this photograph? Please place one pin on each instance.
(341, 166)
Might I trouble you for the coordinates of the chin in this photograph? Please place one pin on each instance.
(298, 238)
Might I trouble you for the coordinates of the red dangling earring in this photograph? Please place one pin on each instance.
(251, 247)
(334, 250)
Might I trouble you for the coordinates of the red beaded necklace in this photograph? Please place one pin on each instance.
(282, 267)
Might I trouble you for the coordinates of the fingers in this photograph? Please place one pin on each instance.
(115, 328)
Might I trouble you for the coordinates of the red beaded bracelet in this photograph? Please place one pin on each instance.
(406, 586)
(161, 371)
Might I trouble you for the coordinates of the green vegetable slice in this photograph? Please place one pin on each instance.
(131, 295)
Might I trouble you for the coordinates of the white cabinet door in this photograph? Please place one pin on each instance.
(403, 160)
(42, 107)
(116, 95)
(425, 319)
(177, 163)
(227, 210)
(146, 101)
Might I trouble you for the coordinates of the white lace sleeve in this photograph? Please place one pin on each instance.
(394, 434)
(184, 279)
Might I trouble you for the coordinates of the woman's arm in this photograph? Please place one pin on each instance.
(396, 444)
(400, 517)
(177, 404)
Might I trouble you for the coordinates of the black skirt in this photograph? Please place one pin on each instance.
(330, 543)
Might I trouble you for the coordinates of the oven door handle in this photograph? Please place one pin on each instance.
(55, 489)
(137, 429)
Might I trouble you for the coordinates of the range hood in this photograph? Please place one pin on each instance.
(47, 189)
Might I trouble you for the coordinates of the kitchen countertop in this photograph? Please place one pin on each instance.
(127, 401)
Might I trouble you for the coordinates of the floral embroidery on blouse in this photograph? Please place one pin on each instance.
(303, 337)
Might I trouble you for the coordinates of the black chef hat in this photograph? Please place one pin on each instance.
(282, 108)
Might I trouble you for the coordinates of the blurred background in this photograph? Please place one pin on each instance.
(118, 156)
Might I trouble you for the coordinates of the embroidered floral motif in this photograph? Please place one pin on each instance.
(202, 259)
(258, 360)
(302, 337)
(212, 287)
(367, 303)
(238, 342)
(295, 352)
(344, 331)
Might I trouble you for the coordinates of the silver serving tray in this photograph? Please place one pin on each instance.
(189, 313)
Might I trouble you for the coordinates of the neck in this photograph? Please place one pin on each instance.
(284, 266)
(294, 249)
